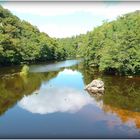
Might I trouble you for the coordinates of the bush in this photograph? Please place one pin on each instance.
(24, 70)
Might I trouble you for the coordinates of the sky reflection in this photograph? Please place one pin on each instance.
(56, 99)
(53, 66)
(57, 96)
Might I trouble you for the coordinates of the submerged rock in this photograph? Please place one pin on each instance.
(130, 76)
(96, 86)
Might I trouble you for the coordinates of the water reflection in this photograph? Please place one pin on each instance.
(122, 92)
(57, 96)
(14, 87)
(126, 116)
(54, 66)
(58, 93)
(51, 100)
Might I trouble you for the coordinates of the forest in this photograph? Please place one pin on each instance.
(112, 47)
(20, 42)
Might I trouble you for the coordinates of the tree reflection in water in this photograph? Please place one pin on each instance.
(14, 88)
(122, 94)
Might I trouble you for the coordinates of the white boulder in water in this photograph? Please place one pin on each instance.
(96, 86)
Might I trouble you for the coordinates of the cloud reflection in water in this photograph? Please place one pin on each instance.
(55, 100)
(62, 94)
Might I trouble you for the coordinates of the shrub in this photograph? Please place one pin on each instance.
(24, 70)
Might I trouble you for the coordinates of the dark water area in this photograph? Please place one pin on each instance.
(51, 102)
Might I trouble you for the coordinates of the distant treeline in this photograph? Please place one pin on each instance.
(113, 47)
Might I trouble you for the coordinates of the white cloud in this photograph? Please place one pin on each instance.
(105, 10)
(51, 100)
(61, 31)
(64, 8)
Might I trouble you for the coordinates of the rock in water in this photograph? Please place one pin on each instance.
(96, 86)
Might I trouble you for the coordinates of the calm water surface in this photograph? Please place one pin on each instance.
(51, 103)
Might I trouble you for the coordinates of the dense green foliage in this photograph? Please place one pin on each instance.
(75, 46)
(114, 47)
(117, 45)
(20, 42)
(70, 46)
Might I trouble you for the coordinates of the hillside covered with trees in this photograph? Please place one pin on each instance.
(21, 42)
(113, 47)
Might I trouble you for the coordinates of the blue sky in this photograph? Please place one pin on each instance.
(65, 19)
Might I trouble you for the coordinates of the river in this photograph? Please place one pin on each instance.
(51, 103)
